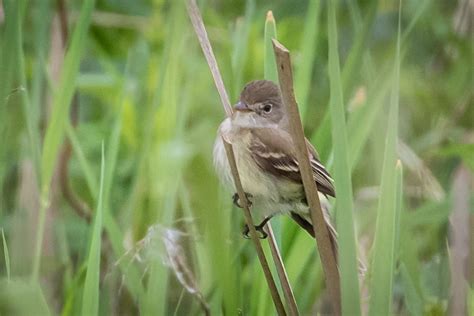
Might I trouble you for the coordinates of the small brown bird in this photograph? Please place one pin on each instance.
(265, 156)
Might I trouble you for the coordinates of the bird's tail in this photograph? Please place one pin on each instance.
(306, 225)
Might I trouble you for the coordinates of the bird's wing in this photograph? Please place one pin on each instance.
(273, 151)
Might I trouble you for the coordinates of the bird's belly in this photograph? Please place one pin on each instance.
(254, 180)
(270, 195)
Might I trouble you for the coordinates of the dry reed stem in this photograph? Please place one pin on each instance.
(460, 232)
(253, 232)
(198, 25)
(282, 275)
(328, 257)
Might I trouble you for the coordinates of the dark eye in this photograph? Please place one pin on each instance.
(267, 108)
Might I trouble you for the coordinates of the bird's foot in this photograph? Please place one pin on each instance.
(236, 199)
(259, 228)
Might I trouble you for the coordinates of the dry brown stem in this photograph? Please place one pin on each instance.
(198, 25)
(328, 257)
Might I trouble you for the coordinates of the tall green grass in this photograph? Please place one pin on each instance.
(56, 128)
(8, 59)
(91, 297)
(145, 89)
(388, 209)
(6, 255)
(309, 48)
(347, 258)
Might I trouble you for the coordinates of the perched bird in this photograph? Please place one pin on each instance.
(265, 155)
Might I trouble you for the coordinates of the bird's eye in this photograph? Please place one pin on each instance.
(267, 108)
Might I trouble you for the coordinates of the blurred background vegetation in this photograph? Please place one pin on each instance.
(108, 115)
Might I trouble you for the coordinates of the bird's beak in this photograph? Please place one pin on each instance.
(241, 106)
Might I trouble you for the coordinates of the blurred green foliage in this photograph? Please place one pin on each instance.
(145, 91)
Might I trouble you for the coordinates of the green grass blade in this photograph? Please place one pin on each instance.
(156, 296)
(30, 114)
(354, 63)
(270, 71)
(387, 213)
(6, 255)
(56, 127)
(361, 122)
(90, 298)
(15, 69)
(42, 22)
(239, 53)
(18, 297)
(7, 74)
(132, 277)
(399, 205)
(63, 97)
(308, 52)
(384, 244)
(83, 163)
(413, 299)
(361, 127)
(322, 137)
(348, 266)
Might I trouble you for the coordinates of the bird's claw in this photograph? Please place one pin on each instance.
(259, 228)
(236, 199)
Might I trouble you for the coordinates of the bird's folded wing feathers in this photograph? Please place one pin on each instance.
(273, 151)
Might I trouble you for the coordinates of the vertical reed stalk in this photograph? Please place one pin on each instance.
(270, 73)
(282, 275)
(328, 257)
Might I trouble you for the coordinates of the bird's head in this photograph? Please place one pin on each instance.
(260, 102)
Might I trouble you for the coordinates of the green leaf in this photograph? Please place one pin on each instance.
(6, 255)
(57, 122)
(270, 71)
(18, 297)
(308, 52)
(90, 297)
(464, 151)
(381, 282)
(413, 298)
(62, 99)
(239, 53)
(348, 266)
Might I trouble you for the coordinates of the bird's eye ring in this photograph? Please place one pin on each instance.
(267, 108)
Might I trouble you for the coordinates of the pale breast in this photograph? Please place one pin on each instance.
(271, 195)
(254, 181)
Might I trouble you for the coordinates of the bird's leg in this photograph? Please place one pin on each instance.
(258, 228)
(236, 199)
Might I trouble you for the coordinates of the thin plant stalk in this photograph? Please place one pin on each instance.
(201, 33)
(270, 73)
(282, 274)
(253, 232)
